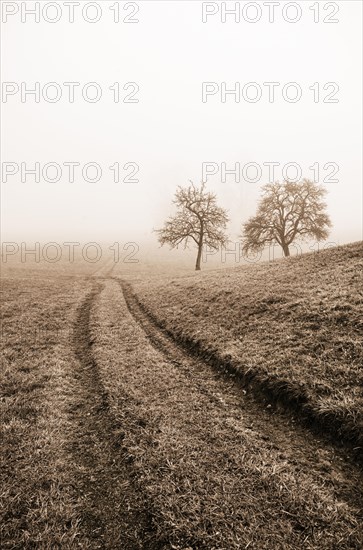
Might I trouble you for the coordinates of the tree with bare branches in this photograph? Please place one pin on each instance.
(287, 212)
(198, 220)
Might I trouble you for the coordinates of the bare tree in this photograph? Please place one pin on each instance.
(198, 220)
(287, 212)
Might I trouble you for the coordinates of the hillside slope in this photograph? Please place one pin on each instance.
(291, 329)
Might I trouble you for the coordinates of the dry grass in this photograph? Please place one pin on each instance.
(63, 484)
(292, 329)
(219, 472)
(41, 505)
(102, 415)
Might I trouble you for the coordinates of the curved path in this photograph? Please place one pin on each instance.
(176, 455)
(114, 511)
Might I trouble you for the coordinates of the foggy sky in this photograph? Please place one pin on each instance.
(170, 132)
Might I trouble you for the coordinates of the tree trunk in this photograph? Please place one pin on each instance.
(285, 248)
(199, 257)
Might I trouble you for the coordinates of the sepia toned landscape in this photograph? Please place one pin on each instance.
(220, 409)
(181, 286)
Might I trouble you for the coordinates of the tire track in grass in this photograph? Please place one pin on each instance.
(346, 437)
(114, 510)
(221, 387)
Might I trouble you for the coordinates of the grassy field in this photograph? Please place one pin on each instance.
(40, 503)
(58, 464)
(292, 329)
(113, 436)
(218, 471)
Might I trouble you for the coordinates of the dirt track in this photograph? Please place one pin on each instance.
(114, 511)
(121, 507)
